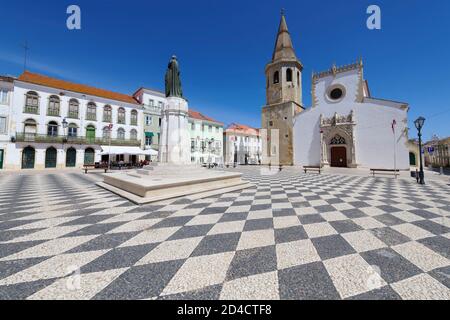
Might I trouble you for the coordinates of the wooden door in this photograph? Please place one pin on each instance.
(338, 157)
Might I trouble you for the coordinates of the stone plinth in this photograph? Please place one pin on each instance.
(174, 145)
(165, 181)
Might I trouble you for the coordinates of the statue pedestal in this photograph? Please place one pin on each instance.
(174, 146)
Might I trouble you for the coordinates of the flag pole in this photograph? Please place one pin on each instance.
(395, 148)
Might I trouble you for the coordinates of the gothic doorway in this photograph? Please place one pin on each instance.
(338, 157)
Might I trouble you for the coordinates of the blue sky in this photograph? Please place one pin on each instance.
(223, 46)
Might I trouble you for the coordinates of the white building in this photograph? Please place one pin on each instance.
(206, 136)
(6, 97)
(347, 127)
(243, 145)
(153, 102)
(43, 106)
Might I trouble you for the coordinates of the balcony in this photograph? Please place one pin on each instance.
(53, 113)
(31, 109)
(43, 138)
(92, 117)
(72, 115)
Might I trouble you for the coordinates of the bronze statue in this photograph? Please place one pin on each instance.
(173, 82)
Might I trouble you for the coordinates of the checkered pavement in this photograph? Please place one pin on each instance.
(291, 236)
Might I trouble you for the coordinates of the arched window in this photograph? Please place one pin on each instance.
(289, 75)
(106, 133)
(52, 129)
(276, 77)
(91, 111)
(134, 117)
(73, 109)
(107, 113)
(298, 78)
(53, 106)
(121, 134)
(72, 130)
(121, 116)
(133, 134)
(337, 139)
(31, 102)
(30, 129)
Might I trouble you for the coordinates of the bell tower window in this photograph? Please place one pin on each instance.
(276, 77)
(289, 75)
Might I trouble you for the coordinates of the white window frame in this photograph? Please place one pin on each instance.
(4, 92)
(5, 130)
(148, 123)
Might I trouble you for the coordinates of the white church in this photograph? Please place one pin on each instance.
(344, 127)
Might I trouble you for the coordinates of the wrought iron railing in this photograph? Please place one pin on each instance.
(43, 138)
(92, 117)
(72, 115)
(53, 113)
(31, 109)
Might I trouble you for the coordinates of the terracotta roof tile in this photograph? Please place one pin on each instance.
(241, 128)
(197, 115)
(70, 86)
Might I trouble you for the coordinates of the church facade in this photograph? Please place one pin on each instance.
(344, 127)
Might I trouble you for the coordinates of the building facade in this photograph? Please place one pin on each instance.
(347, 127)
(6, 98)
(283, 100)
(206, 136)
(58, 124)
(242, 145)
(436, 152)
(153, 102)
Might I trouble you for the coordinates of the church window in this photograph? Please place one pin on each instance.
(337, 139)
(276, 77)
(289, 75)
(298, 79)
(336, 93)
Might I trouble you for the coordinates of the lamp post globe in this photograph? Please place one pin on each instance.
(419, 122)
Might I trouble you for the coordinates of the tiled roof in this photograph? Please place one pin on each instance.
(197, 115)
(74, 87)
(241, 128)
(6, 78)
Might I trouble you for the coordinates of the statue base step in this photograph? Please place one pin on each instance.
(171, 181)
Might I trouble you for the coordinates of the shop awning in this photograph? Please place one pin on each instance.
(149, 134)
(127, 150)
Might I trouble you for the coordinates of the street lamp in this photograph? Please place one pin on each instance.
(65, 125)
(209, 151)
(419, 124)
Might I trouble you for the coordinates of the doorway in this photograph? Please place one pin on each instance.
(50, 158)
(28, 158)
(338, 157)
(71, 157)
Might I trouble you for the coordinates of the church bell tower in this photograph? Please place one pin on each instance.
(283, 99)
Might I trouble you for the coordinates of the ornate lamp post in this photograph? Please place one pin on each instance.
(65, 125)
(209, 151)
(419, 124)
